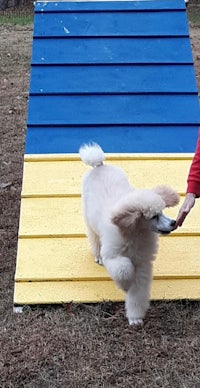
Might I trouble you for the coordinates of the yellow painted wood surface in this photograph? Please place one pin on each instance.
(54, 263)
(96, 291)
(69, 259)
(63, 216)
(63, 177)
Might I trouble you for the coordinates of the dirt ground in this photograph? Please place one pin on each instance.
(77, 345)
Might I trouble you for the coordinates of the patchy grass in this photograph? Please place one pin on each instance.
(194, 15)
(92, 346)
(21, 16)
(21, 20)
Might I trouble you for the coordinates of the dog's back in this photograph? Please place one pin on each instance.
(104, 185)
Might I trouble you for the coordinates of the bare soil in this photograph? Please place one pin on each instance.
(77, 345)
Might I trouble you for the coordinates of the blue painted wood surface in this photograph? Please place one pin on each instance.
(113, 109)
(120, 73)
(114, 139)
(111, 50)
(113, 79)
(128, 23)
(155, 5)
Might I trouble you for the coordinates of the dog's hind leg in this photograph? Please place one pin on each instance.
(137, 297)
(95, 245)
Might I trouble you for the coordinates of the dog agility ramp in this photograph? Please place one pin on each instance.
(119, 73)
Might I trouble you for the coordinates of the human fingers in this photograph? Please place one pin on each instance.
(185, 209)
(181, 218)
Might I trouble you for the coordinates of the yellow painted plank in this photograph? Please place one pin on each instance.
(52, 178)
(63, 217)
(70, 259)
(51, 216)
(62, 177)
(97, 291)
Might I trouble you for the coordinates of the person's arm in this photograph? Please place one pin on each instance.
(193, 187)
(193, 180)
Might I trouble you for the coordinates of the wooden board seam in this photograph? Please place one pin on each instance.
(80, 235)
(57, 195)
(72, 235)
(97, 279)
(75, 157)
(50, 195)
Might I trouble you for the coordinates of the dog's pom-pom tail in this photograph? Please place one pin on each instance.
(92, 154)
(169, 196)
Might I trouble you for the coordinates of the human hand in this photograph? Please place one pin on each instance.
(185, 209)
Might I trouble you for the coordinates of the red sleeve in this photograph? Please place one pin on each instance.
(194, 173)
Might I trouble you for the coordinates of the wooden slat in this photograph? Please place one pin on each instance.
(126, 109)
(51, 216)
(115, 139)
(70, 259)
(121, 50)
(111, 24)
(113, 79)
(57, 178)
(80, 6)
(63, 217)
(95, 291)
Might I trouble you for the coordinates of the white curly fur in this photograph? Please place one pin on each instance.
(121, 223)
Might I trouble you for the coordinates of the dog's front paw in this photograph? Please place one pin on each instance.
(136, 322)
(98, 260)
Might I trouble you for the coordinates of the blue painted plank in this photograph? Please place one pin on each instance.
(113, 139)
(111, 24)
(113, 109)
(108, 5)
(113, 79)
(111, 50)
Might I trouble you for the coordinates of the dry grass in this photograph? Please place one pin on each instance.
(77, 345)
(92, 346)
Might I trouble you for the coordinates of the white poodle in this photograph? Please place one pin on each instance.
(122, 225)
